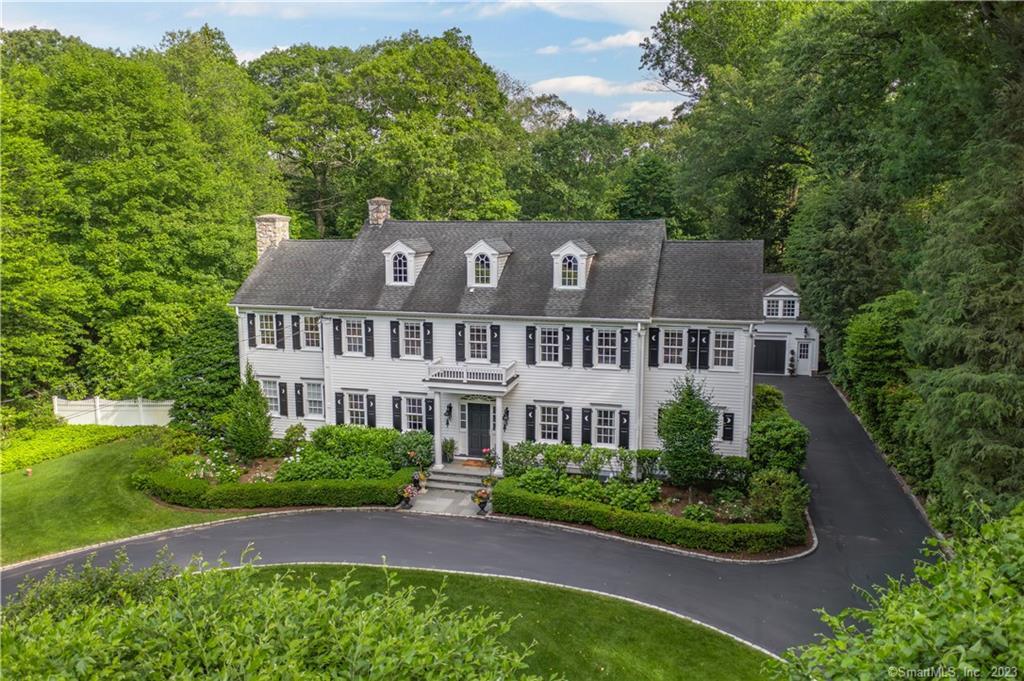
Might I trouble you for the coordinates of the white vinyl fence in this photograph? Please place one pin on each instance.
(95, 410)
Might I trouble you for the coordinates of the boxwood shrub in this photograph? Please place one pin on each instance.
(778, 441)
(176, 489)
(512, 499)
(348, 440)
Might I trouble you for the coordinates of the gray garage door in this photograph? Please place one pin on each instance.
(770, 356)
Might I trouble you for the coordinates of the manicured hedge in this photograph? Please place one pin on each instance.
(29, 448)
(184, 491)
(510, 498)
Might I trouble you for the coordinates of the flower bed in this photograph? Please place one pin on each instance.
(197, 493)
(510, 498)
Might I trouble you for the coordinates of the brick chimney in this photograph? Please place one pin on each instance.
(380, 210)
(270, 231)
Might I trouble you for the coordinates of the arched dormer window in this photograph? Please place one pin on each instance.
(482, 269)
(399, 268)
(570, 271)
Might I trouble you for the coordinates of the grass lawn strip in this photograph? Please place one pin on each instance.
(583, 636)
(78, 500)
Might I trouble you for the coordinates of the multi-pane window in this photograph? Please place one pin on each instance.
(314, 399)
(550, 344)
(724, 348)
(311, 332)
(357, 408)
(482, 269)
(771, 308)
(570, 271)
(267, 330)
(269, 386)
(412, 339)
(399, 268)
(414, 413)
(607, 347)
(789, 308)
(479, 347)
(604, 427)
(803, 350)
(463, 416)
(673, 344)
(549, 423)
(354, 336)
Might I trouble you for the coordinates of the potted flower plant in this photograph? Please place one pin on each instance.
(407, 492)
(490, 458)
(481, 497)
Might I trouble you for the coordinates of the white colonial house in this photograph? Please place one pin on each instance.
(498, 332)
(785, 342)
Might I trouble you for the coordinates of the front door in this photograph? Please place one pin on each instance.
(479, 429)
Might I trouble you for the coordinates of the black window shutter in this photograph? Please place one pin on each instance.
(338, 339)
(567, 346)
(692, 340)
(429, 409)
(626, 349)
(251, 328)
(368, 338)
(396, 413)
(339, 408)
(300, 405)
(394, 341)
(531, 423)
(279, 330)
(567, 425)
(652, 347)
(282, 399)
(531, 345)
(588, 347)
(624, 429)
(495, 344)
(727, 421)
(371, 411)
(703, 349)
(460, 342)
(585, 425)
(296, 332)
(428, 340)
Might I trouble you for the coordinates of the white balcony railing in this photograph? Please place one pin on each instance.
(486, 374)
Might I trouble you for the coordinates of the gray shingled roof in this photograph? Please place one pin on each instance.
(774, 279)
(499, 245)
(710, 280)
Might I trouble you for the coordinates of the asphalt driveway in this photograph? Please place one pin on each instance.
(867, 529)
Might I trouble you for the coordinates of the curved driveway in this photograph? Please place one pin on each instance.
(867, 529)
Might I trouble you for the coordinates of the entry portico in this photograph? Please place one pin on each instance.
(473, 385)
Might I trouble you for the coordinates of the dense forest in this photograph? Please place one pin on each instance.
(877, 148)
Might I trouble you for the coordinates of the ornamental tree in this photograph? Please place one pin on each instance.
(248, 431)
(687, 424)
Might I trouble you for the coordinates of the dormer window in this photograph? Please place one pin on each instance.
(789, 308)
(400, 268)
(570, 271)
(772, 308)
(482, 270)
(572, 262)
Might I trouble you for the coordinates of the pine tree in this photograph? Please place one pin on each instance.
(249, 425)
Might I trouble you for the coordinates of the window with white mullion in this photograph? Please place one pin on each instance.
(604, 426)
(607, 347)
(482, 269)
(267, 330)
(354, 342)
(414, 413)
(724, 349)
(412, 339)
(771, 308)
(550, 345)
(399, 268)
(673, 344)
(357, 409)
(549, 423)
(479, 342)
(311, 332)
(314, 395)
(463, 416)
(270, 391)
(789, 308)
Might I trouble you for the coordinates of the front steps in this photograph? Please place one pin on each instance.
(457, 478)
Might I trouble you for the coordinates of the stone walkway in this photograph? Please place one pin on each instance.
(444, 501)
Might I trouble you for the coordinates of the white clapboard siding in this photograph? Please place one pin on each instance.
(95, 410)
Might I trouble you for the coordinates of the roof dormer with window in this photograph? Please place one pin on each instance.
(571, 264)
(781, 303)
(404, 260)
(485, 261)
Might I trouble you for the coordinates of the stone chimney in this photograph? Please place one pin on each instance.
(270, 231)
(380, 210)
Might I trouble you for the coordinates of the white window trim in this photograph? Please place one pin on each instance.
(582, 261)
(615, 423)
(540, 349)
(463, 416)
(778, 308)
(320, 333)
(349, 410)
(801, 345)
(487, 344)
(796, 308)
(405, 413)
(402, 352)
(344, 336)
(540, 423)
(259, 330)
(661, 347)
(618, 349)
(711, 351)
(277, 395)
(305, 401)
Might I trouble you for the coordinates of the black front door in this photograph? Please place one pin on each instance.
(769, 356)
(479, 434)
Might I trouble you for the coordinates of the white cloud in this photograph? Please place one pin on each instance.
(646, 110)
(250, 55)
(631, 14)
(610, 42)
(592, 85)
(549, 49)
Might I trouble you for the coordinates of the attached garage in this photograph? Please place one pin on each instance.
(769, 356)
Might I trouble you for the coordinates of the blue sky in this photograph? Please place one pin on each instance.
(586, 52)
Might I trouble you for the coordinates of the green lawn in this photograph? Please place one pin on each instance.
(77, 500)
(579, 635)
